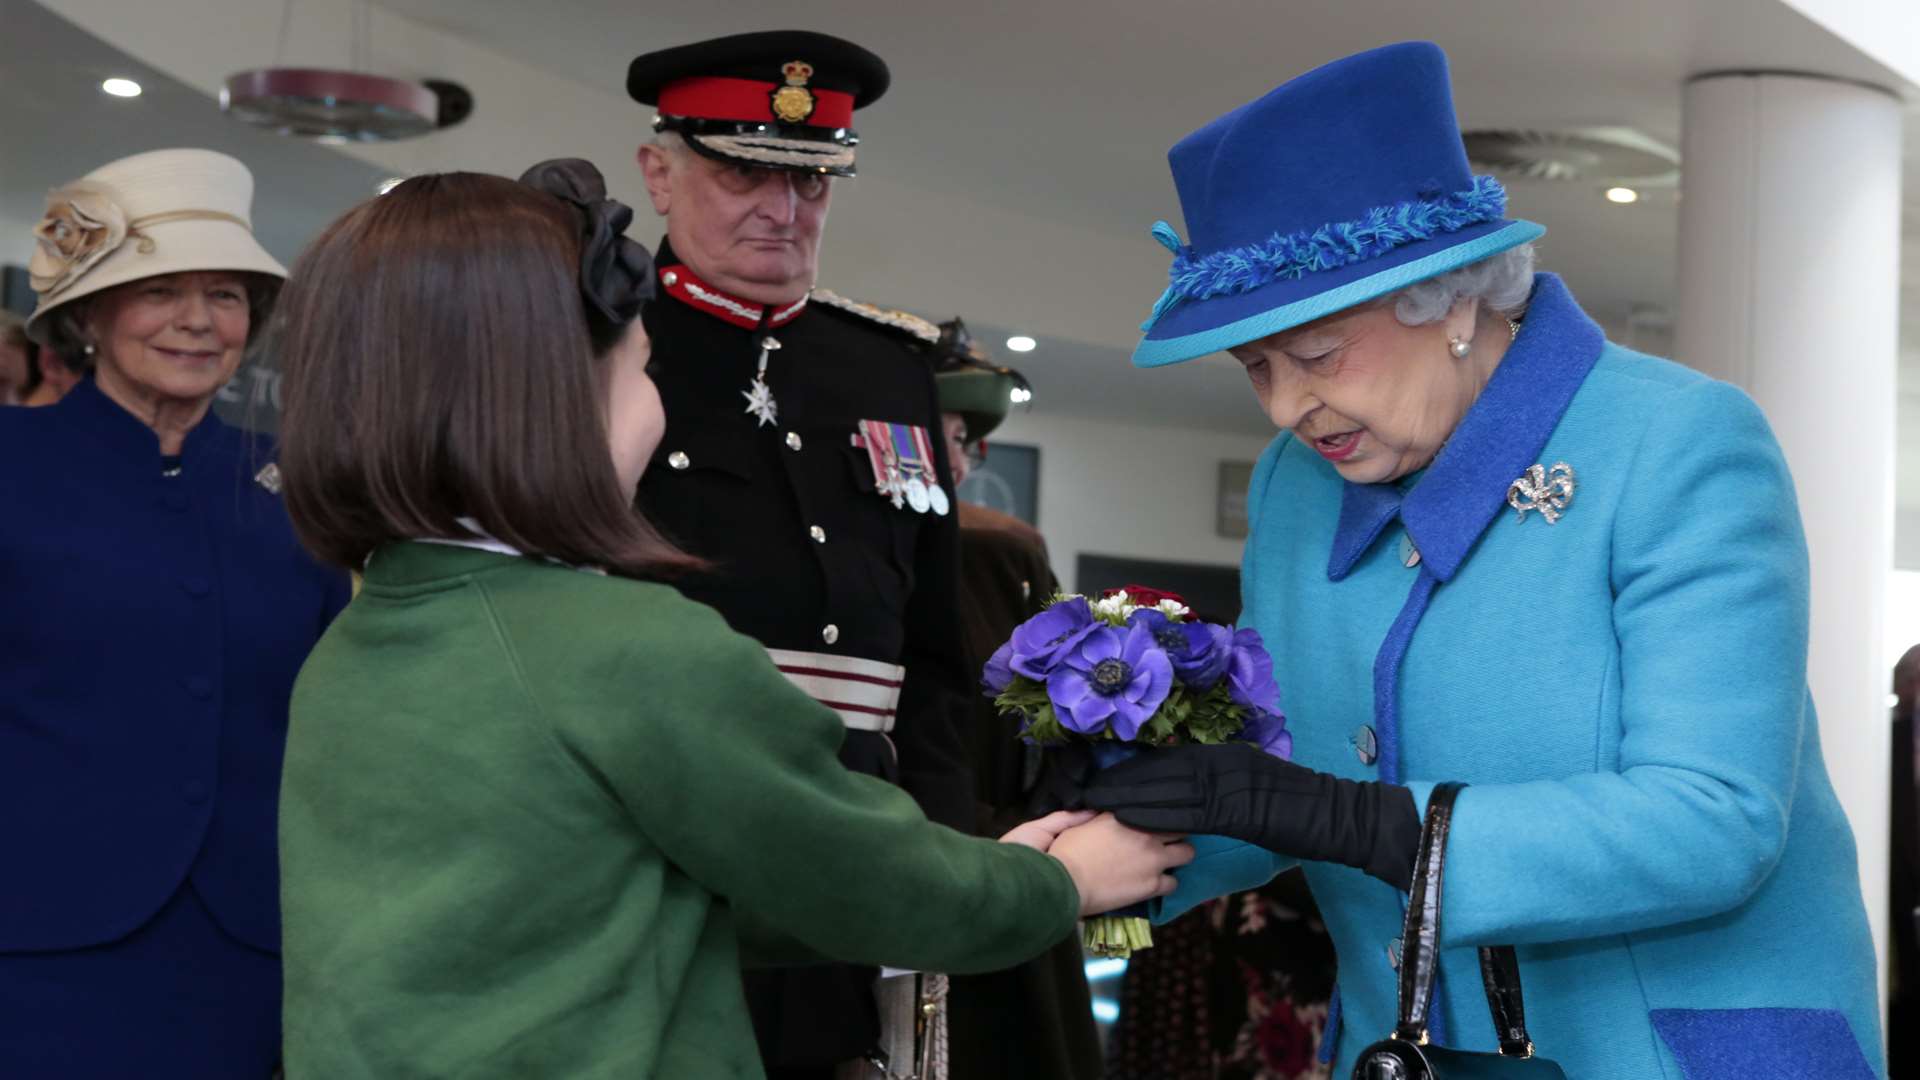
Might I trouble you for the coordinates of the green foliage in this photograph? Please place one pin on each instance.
(1185, 717)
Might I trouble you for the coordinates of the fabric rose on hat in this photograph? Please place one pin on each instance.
(82, 226)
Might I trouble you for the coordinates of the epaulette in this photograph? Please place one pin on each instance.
(899, 320)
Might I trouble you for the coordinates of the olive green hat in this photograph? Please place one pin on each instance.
(971, 385)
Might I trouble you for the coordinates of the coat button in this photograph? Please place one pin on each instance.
(200, 686)
(1409, 555)
(194, 792)
(819, 534)
(1365, 745)
(793, 440)
(829, 633)
(679, 459)
(669, 279)
(196, 586)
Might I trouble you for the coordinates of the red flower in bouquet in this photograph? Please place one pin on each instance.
(1145, 597)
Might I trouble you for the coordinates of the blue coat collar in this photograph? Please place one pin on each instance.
(125, 434)
(1501, 435)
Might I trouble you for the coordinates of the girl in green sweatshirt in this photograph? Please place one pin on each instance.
(537, 806)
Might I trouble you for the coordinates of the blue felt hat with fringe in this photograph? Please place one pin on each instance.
(1338, 187)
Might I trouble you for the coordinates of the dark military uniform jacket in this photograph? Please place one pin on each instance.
(809, 556)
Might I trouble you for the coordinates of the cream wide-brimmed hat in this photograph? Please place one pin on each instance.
(161, 212)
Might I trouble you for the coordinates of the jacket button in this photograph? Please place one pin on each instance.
(819, 534)
(669, 279)
(829, 633)
(194, 792)
(1409, 555)
(200, 686)
(793, 440)
(196, 586)
(679, 459)
(1365, 745)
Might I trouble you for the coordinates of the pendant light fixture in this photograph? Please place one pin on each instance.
(341, 106)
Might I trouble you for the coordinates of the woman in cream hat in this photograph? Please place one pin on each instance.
(157, 610)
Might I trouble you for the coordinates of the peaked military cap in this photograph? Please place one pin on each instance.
(778, 99)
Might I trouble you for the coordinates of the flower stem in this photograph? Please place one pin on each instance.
(1115, 935)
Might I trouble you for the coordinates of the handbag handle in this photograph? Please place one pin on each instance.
(1420, 944)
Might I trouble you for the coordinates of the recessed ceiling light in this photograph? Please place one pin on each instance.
(1020, 395)
(121, 87)
(388, 184)
(1622, 195)
(1021, 343)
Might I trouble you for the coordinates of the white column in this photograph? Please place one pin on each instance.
(1789, 287)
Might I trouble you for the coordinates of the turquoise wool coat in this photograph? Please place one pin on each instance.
(1649, 819)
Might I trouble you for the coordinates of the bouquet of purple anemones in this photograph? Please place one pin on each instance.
(1133, 669)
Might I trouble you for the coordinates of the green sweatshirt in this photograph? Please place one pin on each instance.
(529, 814)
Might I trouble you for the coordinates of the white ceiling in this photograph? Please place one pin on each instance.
(55, 125)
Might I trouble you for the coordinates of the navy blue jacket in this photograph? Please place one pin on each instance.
(150, 631)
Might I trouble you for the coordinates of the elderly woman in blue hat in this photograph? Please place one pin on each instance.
(1491, 547)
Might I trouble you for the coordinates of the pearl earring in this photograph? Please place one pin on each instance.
(1459, 348)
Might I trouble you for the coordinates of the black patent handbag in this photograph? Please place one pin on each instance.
(1407, 1054)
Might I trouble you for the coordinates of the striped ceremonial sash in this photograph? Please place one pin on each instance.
(864, 692)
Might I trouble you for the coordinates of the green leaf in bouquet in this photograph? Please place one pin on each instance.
(1026, 699)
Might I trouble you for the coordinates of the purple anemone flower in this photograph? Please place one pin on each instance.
(1114, 678)
(1250, 673)
(1040, 643)
(998, 673)
(1268, 731)
(1198, 650)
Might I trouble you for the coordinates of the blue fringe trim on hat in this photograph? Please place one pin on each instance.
(1293, 256)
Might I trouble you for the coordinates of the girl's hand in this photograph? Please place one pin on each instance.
(1040, 833)
(1114, 866)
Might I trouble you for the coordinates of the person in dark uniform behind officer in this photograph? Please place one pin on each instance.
(802, 457)
(1033, 1021)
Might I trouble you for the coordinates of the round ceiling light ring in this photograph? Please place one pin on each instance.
(338, 106)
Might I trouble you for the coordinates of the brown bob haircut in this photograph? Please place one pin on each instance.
(436, 366)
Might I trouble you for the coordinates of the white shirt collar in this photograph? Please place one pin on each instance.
(481, 540)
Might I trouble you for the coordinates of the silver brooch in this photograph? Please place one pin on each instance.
(1549, 491)
(269, 478)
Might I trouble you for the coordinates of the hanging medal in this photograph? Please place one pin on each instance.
(913, 466)
(878, 441)
(936, 495)
(759, 395)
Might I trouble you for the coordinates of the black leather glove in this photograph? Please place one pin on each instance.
(1236, 790)
(1062, 783)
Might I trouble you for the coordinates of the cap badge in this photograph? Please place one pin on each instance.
(793, 103)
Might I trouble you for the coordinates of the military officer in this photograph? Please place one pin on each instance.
(803, 458)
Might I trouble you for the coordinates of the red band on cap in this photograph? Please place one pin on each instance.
(710, 98)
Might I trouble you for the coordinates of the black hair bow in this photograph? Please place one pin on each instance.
(616, 274)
